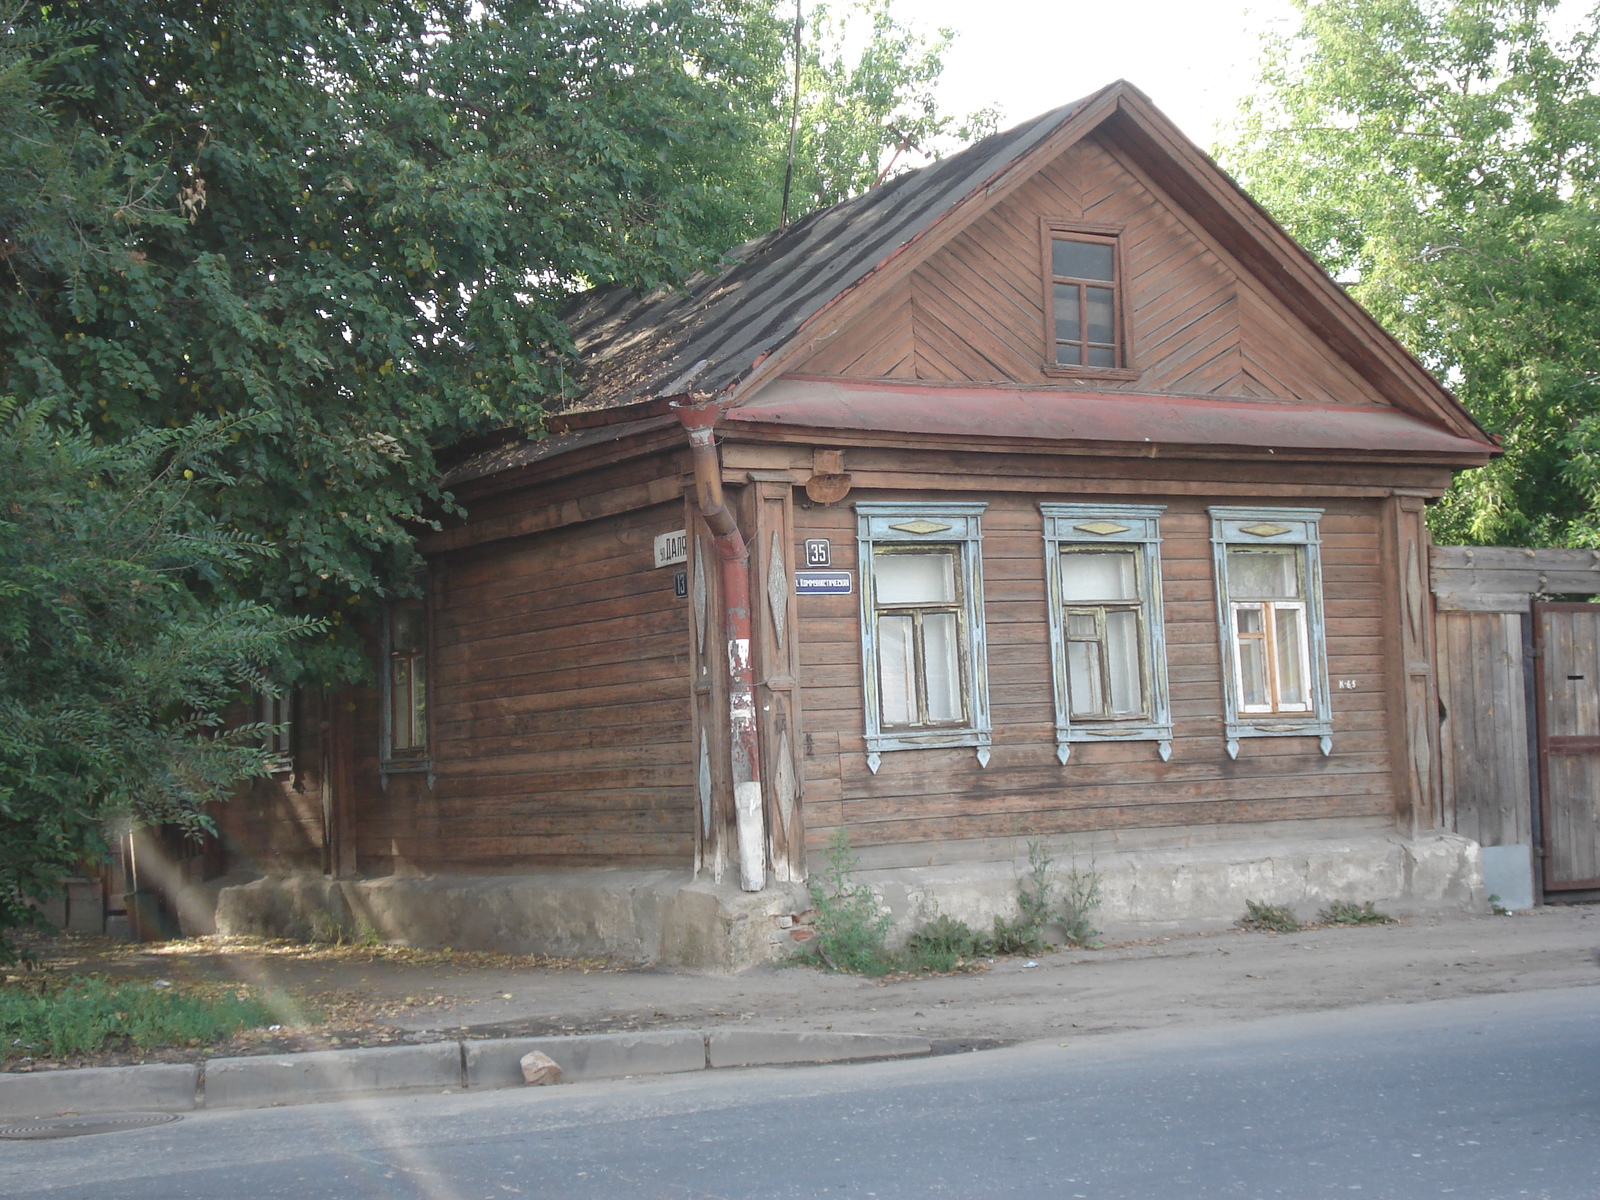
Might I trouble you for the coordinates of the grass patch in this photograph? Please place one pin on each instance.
(85, 1015)
(1346, 912)
(1272, 918)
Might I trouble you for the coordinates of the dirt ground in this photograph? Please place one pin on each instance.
(348, 996)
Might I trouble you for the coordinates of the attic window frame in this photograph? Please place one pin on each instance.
(1050, 229)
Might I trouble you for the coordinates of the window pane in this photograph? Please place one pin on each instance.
(1081, 260)
(1081, 625)
(1290, 629)
(1097, 302)
(1102, 356)
(1253, 671)
(1122, 661)
(1264, 574)
(400, 703)
(1099, 575)
(419, 703)
(943, 665)
(1069, 353)
(915, 578)
(895, 679)
(405, 628)
(1066, 306)
(1250, 620)
(1083, 679)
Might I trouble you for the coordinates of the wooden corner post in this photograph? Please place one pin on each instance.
(1412, 692)
(776, 637)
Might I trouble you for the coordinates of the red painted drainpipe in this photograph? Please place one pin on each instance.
(700, 421)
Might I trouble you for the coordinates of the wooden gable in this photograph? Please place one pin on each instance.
(1199, 323)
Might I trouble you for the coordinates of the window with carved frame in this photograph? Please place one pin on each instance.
(1269, 606)
(1107, 634)
(923, 662)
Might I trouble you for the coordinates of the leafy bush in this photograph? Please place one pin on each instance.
(84, 1015)
(945, 944)
(1345, 912)
(1273, 918)
(851, 925)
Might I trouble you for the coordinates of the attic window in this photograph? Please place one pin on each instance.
(1085, 307)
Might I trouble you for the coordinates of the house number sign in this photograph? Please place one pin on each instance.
(672, 547)
(818, 553)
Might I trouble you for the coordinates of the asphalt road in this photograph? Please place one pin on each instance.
(1487, 1097)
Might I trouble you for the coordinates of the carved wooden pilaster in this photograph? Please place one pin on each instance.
(1413, 685)
(714, 839)
(776, 649)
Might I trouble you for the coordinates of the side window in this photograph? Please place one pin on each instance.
(275, 710)
(923, 665)
(1085, 300)
(1107, 637)
(1269, 606)
(405, 686)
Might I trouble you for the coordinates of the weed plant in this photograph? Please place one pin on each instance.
(1080, 896)
(1346, 912)
(945, 944)
(1273, 918)
(82, 1016)
(851, 925)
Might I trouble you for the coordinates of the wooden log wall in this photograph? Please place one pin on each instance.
(283, 821)
(560, 724)
(1199, 323)
(932, 796)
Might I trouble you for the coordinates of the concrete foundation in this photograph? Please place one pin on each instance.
(1164, 880)
(665, 917)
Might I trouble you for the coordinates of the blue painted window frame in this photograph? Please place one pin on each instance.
(959, 526)
(1302, 529)
(1140, 527)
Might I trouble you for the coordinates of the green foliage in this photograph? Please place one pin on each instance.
(1347, 912)
(851, 925)
(357, 224)
(1080, 896)
(116, 662)
(943, 945)
(1269, 918)
(1024, 933)
(1442, 158)
(83, 1016)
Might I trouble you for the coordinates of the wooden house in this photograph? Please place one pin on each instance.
(1048, 491)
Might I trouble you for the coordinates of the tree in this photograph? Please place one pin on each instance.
(1440, 157)
(357, 225)
(117, 662)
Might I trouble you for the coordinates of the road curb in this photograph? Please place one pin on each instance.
(319, 1076)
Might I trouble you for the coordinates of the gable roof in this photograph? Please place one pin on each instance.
(724, 335)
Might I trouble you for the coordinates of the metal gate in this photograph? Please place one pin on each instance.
(1567, 675)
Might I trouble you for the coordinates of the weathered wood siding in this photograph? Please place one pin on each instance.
(279, 821)
(931, 796)
(1199, 324)
(560, 724)
(1485, 728)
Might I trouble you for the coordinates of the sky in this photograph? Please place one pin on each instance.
(1193, 59)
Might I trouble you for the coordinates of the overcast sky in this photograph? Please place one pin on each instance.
(1193, 59)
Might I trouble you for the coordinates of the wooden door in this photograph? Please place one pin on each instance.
(1569, 744)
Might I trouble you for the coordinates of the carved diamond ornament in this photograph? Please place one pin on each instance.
(1103, 528)
(1264, 530)
(921, 525)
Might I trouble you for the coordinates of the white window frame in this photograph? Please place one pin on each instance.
(1299, 529)
(954, 526)
(1066, 527)
(417, 759)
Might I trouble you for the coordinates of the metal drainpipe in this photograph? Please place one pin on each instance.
(700, 421)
